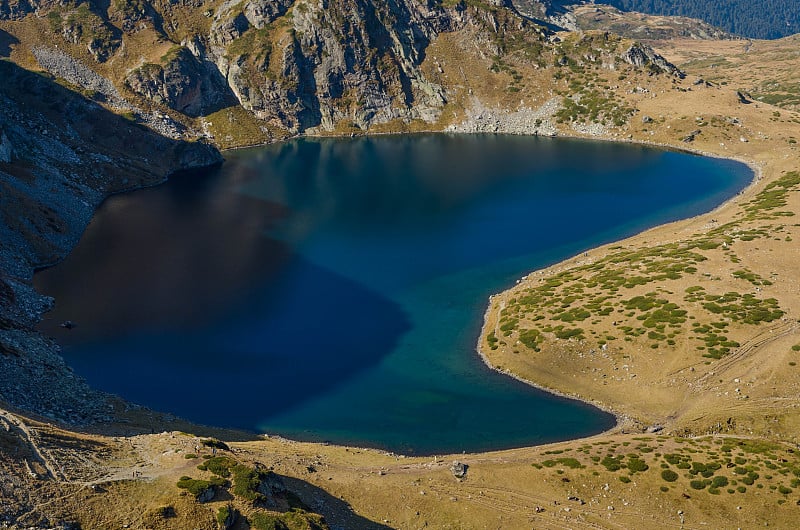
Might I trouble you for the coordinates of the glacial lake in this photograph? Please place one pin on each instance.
(334, 289)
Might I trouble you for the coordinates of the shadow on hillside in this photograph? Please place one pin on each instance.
(6, 41)
(337, 513)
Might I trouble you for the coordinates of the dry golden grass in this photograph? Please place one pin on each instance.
(607, 481)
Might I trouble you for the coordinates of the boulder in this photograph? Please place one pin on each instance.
(459, 469)
(641, 55)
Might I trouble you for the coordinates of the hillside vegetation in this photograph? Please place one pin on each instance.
(757, 19)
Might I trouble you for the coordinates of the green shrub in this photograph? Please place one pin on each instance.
(636, 465)
(197, 487)
(669, 475)
(719, 482)
(624, 479)
(223, 514)
(698, 484)
(571, 463)
(246, 481)
(530, 338)
(266, 521)
(219, 465)
(565, 334)
(612, 463)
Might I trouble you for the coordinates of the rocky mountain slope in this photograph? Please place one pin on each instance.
(279, 68)
(757, 19)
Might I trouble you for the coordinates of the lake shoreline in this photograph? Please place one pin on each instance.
(621, 420)
(757, 167)
(624, 422)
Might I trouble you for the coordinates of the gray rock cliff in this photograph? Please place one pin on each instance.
(183, 83)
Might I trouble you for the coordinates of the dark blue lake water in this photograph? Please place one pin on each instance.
(334, 289)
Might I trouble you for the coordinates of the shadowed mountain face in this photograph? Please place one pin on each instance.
(60, 156)
(6, 41)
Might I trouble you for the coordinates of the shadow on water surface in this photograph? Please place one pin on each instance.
(333, 289)
(207, 316)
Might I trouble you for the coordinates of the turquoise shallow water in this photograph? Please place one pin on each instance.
(334, 289)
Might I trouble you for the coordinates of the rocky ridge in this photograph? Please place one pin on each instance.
(294, 66)
(641, 26)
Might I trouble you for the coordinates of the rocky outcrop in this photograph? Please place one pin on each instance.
(273, 489)
(73, 71)
(260, 13)
(642, 55)
(533, 9)
(459, 469)
(634, 25)
(183, 83)
(133, 15)
(100, 88)
(351, 61)
(85, 24)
